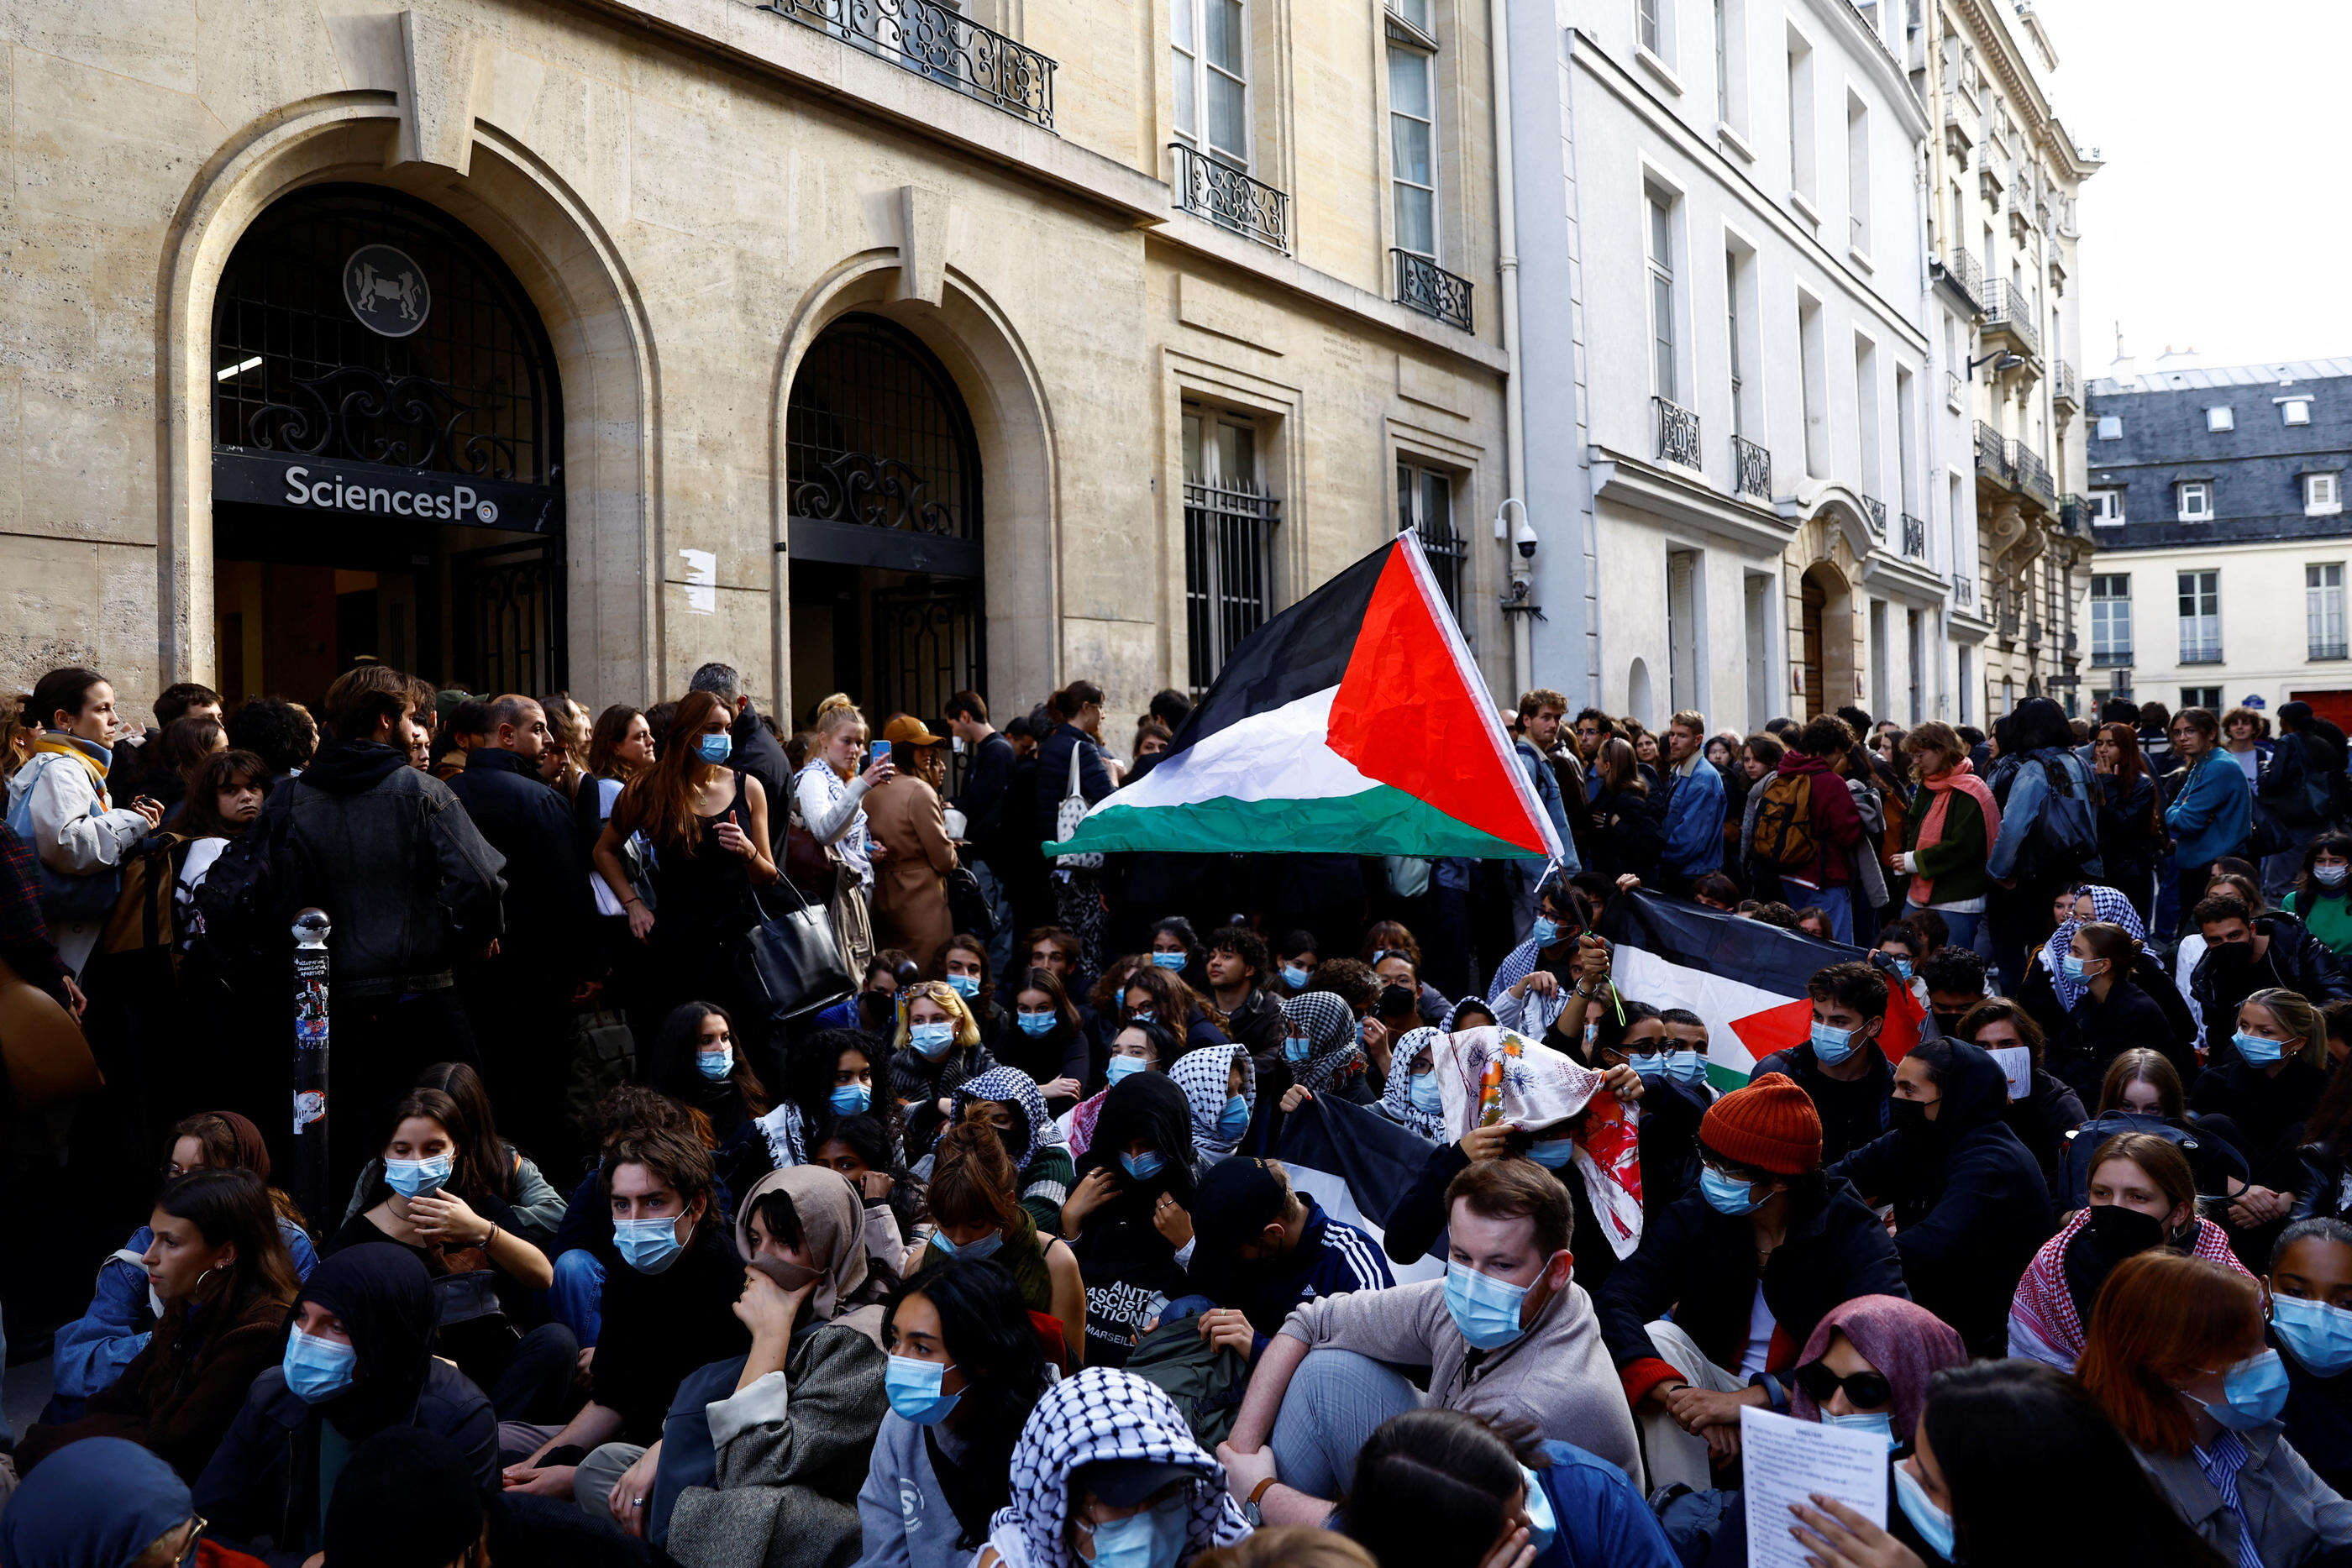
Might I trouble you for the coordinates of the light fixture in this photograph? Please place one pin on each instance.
(236, 370)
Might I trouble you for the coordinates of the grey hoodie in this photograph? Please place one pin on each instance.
(905, 1518)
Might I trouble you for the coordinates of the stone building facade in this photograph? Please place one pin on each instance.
(876, 348)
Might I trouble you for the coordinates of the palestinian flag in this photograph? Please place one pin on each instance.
(1356, 1162)
(1745, 979)
(1352, 723)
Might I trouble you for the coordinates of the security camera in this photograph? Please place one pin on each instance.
(1524, 536)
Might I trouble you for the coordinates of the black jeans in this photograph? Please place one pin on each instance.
(377, 1047)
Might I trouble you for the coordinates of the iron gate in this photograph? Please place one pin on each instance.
(509, 621)
(928, 646)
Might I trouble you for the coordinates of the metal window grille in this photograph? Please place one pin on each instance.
(1228, 568)
(1753, 464)
(935, 41)
(1425, 506)
(875, 433)
(1231, 199)
(1678, 438)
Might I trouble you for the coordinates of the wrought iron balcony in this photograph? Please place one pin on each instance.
(1421, 285)
(2009, 311)
(2336, 650)
(2198, 649)
(2009, 618)
(932, 40)
(1992, 455)
(1231, 199)
(1752, 465)
(1678, 429)
(2066, 385)
(1964, 590)
(1960, 273)
(1915, 537)
(2075, 518)
(1877, 510)
(2110, 655)
(2033, 474)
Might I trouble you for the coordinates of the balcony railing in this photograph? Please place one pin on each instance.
(1877, 510)
(2201, 641)
(1915, 537)
(1752, 467)
(932, 40)
(2009, 309)
(1960, 271)
(2110, 655)
(1992, 454)
(1964, 590)
(2033, 474)
(1421, 285)
(1231, 199)
(2074, 517)
(1677, 430)
(2329, 650)
(2067, 384)
(2009, 618)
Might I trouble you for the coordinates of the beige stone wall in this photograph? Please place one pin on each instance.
(690, 190)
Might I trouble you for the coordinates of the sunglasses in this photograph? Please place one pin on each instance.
(1863, 1390)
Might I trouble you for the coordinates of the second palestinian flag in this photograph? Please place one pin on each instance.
(1352, 723)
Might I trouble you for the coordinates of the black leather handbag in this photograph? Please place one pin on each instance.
(968, 905)
(789, 964)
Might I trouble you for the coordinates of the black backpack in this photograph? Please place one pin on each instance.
(2064, 842)
(245, 907)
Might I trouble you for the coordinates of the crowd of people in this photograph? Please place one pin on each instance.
(990, 1254)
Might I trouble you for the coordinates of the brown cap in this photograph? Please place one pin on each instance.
(909, 729)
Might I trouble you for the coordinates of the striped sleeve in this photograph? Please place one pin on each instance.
(1358, 1262)
(1045, 1185)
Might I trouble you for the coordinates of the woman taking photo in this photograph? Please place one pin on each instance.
(1951, 825)
(1044, 1038)
(219, 1266)
(829, 796)
(964, 1372)
(975, 1205)
(707, 825)
(2131, 822)
(2178, 1358)
(2322, 898)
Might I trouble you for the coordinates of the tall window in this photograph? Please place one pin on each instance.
(1857, 174)
(1412, 147)
(2322, 609)
(1907, 461)
(1213, 79)
(1812, 363)
(1722, 62)
(2201, 617)
(1681, 629)
(1229, 522)
(1967, 686)
(1650, 25)
(1732, 281)
(2110, 629)
(2207, 697)
(1662, 297)
(1866, 419)
(1803, 132)
(1425, 506)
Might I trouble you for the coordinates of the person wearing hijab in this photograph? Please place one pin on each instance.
(1323, 1045)
(2142, 1195)
(1107, 1471)
(1011, 1102)
(108, 1503)
(1410, 1097)
(1128, 1217)
(761, 1454)
(358, 1358)
(1970, 1208)
(1220, 1085)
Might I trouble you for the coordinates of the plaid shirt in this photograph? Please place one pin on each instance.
(25, 944)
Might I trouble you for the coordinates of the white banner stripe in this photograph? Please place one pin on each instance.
(1718, 1001)
(1281, 754)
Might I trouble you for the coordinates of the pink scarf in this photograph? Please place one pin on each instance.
(2043, 1322)
(1963, 777)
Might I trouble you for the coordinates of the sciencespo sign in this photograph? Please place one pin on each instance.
(378, 490)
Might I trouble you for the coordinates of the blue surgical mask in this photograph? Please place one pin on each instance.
(965, 985)
(1686, 1066)
(1933, 1525)
(1153, 1539)
(1648, 1064)
(1122, 1067)
(1143, 1166)
(318, 1369)
(1903, 968)
(2072, 967)
(984, 1246)
(1233, 1119)
(2320, 1335)
(2252, 1394)
(1553, 1156)
(715, 1064)
(1725, 1194)
(1877, 1421)
(913, 1389)
(715, 748)
(1167, 960)
(1542, 1523)
(2256, 1051)
(648, 1246)
(1144, 1014)
(1296, 977)
(1486, 1310)
(1296, 1047)
(1036, 1026)
(414, 1178)
(1832, 1046)
(931, 1039)
(1428, 1094)
(1545, 930)
(2330, 875)
(851, 1099)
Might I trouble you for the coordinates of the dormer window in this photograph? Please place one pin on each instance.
(2322, 495)
(2221, 419)
(2196, 500)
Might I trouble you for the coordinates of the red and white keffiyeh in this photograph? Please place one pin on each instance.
(2043, 1322)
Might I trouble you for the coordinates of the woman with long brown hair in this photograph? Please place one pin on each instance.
(1626, 835)
(707, 824)
(2131, 825)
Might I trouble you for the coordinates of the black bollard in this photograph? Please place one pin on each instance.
(310, 930)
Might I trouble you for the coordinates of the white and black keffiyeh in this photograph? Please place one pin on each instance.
(1396, 1099)
(1206, 1076)
(1333, 1049)
(1012, 1085)
(1103, 1413)
(787, 1145)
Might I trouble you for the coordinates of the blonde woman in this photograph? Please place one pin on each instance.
(828, 796)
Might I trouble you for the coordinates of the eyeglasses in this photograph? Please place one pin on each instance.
(1863, 1390)
(188, 1556)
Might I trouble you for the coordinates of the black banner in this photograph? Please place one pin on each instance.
(343, 490)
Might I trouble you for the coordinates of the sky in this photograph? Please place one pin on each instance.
(2217, 222)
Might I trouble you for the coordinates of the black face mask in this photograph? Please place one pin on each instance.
(1909, 1117)
(2121, 1232)
(1396, 1001)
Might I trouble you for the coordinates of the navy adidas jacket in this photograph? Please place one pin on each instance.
(1332, 1258)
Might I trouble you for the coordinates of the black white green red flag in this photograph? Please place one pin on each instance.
(1353, 723)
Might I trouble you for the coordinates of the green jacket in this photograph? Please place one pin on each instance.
(1956, 862)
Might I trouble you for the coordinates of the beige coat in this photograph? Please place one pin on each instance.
(910, 898)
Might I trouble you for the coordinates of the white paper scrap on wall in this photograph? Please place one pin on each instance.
(701, 581)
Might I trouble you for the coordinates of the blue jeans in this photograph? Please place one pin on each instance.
(1837, 903)
(577, 1297)
(1960, 930)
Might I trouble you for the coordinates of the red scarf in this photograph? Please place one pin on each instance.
(1963, 777)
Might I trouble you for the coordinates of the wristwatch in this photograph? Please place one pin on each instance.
(1250, 1509)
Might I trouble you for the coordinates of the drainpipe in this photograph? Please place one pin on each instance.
(1515, 460)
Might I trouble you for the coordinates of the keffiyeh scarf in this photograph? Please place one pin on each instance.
(787, 1143)
(2106, 903)
(1011, 1086)
(2043, 1322)
(1396, 1100)
(1205, 1076)
(1334, 1051)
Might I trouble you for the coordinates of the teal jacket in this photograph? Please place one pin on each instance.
(2213, 813)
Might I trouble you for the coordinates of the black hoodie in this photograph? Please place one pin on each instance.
(1970, 1206)
(1122, 1257)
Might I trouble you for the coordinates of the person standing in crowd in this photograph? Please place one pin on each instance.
(2178, 1358)
(965, 1371)
(1748, 1265)
(987, 777)
(830, 794)
(1970, 1210)
(1950, 826)
(1694, 809)
(1079, 906)
(904, 816)
(2131, 816)
(281, 735)
(2211, 812)
(750, 747)
(1807, 830)
(1842, 1067)
(620, 748)
(2302, 788)
(2048, 833)
(1624, 835)
(59, 805)
(1539, 713)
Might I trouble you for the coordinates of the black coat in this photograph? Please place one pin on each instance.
(2269, 1113)
(2296, 960)
(2319, 1418)
(2089, 1039)
(1702, 1265)
(2042, 1121)
(546, 899)
(756, 752)
(2131, 837)
(1970, 1207)
(1851, 1114)
(1627, 832)
(658, 1328)
(1418, 1217)
(982, 799)
(1054, 775)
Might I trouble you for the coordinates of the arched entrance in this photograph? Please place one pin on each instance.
(1827, 637)
(387, 454)
(883, 497)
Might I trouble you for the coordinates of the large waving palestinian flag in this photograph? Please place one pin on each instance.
(1352, 723)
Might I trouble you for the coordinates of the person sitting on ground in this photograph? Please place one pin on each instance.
(405, 1500)
(2049, 1108)
(1411, 1099)
(1262, 1246)
(89, 1354)
(1955, 979)
(1299, 957)
(1137, 1046)
(962, 963)
(2322, 898)
(1219, 1086)
(1323, 1045)
(965, 1370)
(1240, 1000)
(108, 1503)
(938, 1046)
(1390, 948)
(2142, 1094)
(1007, 1099)
(1154, 993)
(1842, 1066)
(538, 1207)
(358, 1358)
(2273, 1078)
(1128, 1217)
(974, 1200)
(1045, 1037)
(859, 1149)
(2142, 1197)
(874, 1006)
(583, 1247)
(1442, 1489)
(1106, 1472)
(2245, 953)
(1748, 1265)
(2178, 1358)
(1545, 983)
(222, 1272)
(700, 1060)
(2310, 1284)
(1507, 1334)
(1670, 1059)
(2112, 1006)
(1970, 1210)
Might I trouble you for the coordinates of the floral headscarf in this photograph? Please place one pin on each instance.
(1205, 1076)
(1334, 1051)
(1904, 1342)
(2106, 903)
(1542, 1087)
(1396, 1099)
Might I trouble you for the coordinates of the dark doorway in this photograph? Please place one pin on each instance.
(1814, 598)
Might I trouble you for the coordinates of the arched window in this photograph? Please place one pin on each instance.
(876, 436)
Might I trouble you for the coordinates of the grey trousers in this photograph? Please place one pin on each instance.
(1336, 1400)
(591, 1483)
